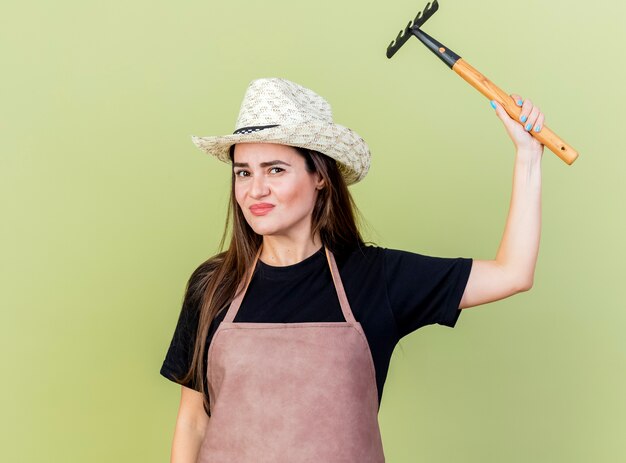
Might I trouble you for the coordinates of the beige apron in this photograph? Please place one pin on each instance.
(292, 392)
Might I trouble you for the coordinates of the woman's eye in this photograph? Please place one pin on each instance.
(279, 168)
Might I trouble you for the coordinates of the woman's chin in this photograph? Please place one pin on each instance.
(263, 230)
(267, 226)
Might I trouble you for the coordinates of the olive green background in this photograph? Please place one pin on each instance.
(107, 207)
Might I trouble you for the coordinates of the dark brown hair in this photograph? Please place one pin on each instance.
(212, 285)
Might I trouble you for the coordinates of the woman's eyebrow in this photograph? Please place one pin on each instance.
(263, 164)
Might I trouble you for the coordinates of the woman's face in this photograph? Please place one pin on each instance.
(274, 189)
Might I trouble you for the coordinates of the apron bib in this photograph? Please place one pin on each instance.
(291, 392)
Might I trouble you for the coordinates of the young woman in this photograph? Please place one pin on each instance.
(283, 342)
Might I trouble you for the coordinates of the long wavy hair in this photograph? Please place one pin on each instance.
(212, 286)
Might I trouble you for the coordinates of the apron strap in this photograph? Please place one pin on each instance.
(341, 293)
(241, 289)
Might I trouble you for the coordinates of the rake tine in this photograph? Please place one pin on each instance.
(405, 34)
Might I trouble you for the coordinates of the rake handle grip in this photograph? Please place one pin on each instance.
(493, 92)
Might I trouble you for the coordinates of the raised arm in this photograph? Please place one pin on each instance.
(513, 268)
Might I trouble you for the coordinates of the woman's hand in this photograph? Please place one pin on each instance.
(531, 118)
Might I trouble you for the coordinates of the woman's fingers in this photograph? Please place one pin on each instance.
(539, 124)
(517, 99)
(531, 117)
(526, 109)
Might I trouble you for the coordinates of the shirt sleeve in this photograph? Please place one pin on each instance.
(423, 290)
(180, 352)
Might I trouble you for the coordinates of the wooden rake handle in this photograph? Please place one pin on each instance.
(493, 92)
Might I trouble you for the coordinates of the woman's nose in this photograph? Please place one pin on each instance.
(259, 186)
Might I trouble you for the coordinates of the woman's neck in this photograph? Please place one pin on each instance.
(280, 251)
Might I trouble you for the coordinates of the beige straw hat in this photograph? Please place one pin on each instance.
(276, 110)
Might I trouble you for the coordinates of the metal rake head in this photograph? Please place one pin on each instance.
(405, 34)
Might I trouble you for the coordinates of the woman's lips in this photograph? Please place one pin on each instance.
(261, 209)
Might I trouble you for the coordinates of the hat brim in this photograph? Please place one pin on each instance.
(334, 140)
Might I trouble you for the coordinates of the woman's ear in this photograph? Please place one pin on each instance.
(320, 183)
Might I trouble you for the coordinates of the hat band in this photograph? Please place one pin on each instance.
(253, 128)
